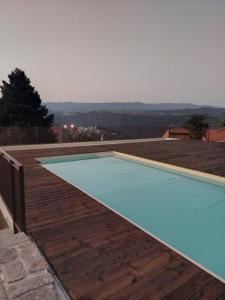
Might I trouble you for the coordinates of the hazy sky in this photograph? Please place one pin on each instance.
(117, 50)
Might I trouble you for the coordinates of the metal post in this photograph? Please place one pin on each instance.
(36, 134)
(60, 137)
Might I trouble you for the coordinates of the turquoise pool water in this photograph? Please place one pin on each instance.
(186, 213)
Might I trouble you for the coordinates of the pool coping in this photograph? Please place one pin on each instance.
(210, 178)
(202, 175)
(84, 144)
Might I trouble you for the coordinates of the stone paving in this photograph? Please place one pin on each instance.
(24, 273)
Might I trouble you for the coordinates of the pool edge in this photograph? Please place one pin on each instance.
(204, 175)
(162, 165)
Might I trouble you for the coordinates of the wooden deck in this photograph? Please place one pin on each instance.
(99, 255)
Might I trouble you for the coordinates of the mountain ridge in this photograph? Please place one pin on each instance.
(71, 106)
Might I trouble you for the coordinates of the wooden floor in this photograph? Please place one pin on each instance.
(99, 255)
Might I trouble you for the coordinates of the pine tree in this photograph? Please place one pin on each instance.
(223, 124)
(197, 125)
(21, 105)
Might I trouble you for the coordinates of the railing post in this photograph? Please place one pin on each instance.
(13, 198)
(22, 198)
(36, 134)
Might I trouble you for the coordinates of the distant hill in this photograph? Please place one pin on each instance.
(132, 119)
(118, 106)
(139, 118)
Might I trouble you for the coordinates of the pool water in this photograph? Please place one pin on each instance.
(185, 213)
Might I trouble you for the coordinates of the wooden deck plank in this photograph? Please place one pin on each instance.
(99, 255)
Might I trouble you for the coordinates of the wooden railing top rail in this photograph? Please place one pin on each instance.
(10, 159)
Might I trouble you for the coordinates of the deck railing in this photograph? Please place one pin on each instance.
(41, 135)
(12, 189)
(25, 135)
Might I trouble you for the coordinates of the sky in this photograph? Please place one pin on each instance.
(117, 50)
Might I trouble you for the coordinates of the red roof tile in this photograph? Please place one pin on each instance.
(215, 135)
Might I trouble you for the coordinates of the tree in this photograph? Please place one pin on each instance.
(197, 125)
(223, 124)
(21, 105)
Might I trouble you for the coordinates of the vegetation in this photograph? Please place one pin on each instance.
(20, 104)
(197, 125)
(223, 123)
(23, 118)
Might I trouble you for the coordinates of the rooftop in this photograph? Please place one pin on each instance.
(96, 253)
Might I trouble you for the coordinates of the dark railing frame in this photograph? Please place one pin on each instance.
(16, 166)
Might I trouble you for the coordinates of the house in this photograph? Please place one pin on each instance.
(211, 135)
(178, 133)
(214, 135)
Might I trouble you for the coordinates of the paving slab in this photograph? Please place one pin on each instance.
(24, 273)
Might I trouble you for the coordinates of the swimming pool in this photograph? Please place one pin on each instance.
(183, 209)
